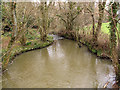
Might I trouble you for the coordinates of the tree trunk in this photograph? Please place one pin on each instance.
(119, 42)
(14, 23)
(14, 29)
(113, 39)
(93, 27)
(44, 10)
(101, 15)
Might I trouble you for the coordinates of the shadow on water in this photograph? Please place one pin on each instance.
(61, 65)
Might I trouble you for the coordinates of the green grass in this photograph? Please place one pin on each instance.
(104, 28)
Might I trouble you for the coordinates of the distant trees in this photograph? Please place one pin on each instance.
(22, 17)
(44, 20)
(69, 15)
(25, 20)
(90, 8)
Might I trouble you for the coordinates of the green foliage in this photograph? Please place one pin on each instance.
(105, 28)
(10, 34)
(45, 44)
(94, 50)
(7, 34)
(50, 38)
(99, 52)
(28, 43)
(78, 8)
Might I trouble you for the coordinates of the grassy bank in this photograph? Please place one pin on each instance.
(32, 43)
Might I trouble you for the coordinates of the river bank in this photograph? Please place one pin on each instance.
(101, 50)
(61, 65)
(68, 35)
(30, 46)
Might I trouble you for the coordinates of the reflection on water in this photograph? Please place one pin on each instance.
(62, 64)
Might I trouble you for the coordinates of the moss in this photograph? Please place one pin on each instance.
(28, 43)
(49, 38)
(99, 52)
(94, 50)
(45, 44)
(89, 46)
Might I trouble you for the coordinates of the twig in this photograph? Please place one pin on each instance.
(105, 86)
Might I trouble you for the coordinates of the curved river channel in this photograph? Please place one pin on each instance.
(61, 65)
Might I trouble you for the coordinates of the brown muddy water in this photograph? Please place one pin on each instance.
(61, 65)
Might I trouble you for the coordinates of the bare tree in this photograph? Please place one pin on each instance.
(113, 37)
(19, 23)
(91, 11)
(69, 16)
(101, 15)
(44, 20)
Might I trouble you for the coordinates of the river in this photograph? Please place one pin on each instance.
(61, 65)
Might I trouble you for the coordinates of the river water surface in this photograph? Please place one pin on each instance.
(61, 65)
